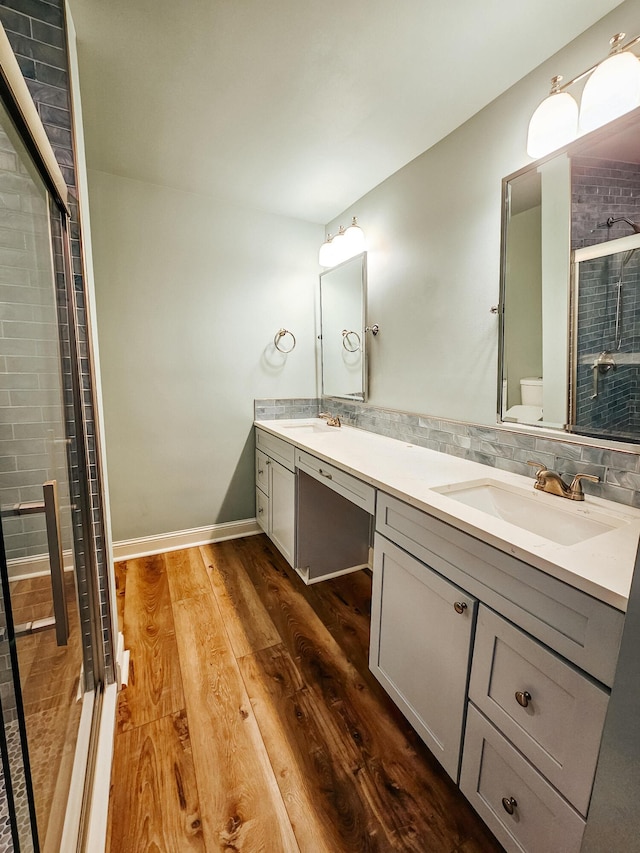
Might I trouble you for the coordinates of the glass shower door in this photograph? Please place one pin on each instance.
(606, 340)
(47, 663)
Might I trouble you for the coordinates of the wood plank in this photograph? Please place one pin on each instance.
(120, 569)
(154, 805)
(314, 768)
(188, 576)
(407, 791)
(155, 685)
(344, 606)
(241, 806)
(249, 626)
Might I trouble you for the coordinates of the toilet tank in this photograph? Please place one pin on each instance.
(531, 391)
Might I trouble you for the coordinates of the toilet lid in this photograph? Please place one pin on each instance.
(523, 414)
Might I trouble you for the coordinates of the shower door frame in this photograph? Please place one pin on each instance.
(21, 108)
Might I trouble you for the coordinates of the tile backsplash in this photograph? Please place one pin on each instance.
(507, 449)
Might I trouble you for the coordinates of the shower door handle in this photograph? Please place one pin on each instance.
(54, 542)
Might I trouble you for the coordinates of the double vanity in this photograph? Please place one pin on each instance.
(497, 610)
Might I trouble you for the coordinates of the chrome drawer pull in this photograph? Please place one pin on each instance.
(460, 606)
(509, 804)
(325, 474)
(523, 697)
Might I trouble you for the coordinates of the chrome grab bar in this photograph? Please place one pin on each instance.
(50, 506)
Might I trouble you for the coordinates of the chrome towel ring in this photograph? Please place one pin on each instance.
(280, 334)
(348, 340)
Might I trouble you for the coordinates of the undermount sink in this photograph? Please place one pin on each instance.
(308, 426)
(556, 519)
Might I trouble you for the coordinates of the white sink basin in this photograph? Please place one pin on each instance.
(554, 518)
(310, 427)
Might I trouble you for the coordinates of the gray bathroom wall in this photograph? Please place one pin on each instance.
(433, 231)
(190, 294)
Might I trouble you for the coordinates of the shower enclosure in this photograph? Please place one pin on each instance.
(606, 339)
(51, 646)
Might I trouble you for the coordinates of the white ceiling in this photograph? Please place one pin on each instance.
(298, 106)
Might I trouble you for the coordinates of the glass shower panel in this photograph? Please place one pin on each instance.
(43, 687)
(607, 340)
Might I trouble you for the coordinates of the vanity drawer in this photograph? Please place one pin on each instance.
(551, 712)
(495, 778)
(576, 625)
(276, 448)
(262, 510)
(359, 493)
(262, 471)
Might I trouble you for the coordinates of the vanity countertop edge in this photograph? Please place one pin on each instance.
(601, 566)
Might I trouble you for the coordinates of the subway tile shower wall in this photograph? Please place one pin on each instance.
(600, 189)
(36, 31)
(619, 470)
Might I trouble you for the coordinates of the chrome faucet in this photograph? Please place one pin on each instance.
(551, 482)
(332, 420)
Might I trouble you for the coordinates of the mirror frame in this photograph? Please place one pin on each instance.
(361, 397)
(581, 145)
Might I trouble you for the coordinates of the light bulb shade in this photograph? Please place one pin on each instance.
(338, 248)
(612, 90)
(325, 255)
(553, 124)
(354, 240)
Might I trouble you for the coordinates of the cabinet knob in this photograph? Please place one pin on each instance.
(460, 606)
(509, 805)
(260, 471)
(523, 697)
(268, 462)
(260, 510)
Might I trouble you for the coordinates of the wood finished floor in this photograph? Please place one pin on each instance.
(49, 676)
(251, 721)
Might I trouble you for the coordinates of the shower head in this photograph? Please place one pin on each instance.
(613, 219)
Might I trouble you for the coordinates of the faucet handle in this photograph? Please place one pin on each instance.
(576, 486)
(541, 468)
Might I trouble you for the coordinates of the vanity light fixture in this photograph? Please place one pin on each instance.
(325, 255)
(346, 244)
(613, 88)
(554, 123)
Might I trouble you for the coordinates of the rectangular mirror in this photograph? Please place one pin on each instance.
(343, 298)
(568, 287)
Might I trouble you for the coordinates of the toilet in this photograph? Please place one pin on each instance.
(530, 410)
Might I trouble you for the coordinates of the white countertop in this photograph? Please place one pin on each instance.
(601, 566)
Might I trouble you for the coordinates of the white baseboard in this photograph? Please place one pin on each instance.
(131, 549)
(21, 568)
(96, 832)
(99, 808)
(304, 574)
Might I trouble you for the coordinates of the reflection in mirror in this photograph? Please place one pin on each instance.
(586, 195)
(342, 320)
(606, 359)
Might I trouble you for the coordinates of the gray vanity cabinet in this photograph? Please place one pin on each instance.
(421, 631)
(534, 709)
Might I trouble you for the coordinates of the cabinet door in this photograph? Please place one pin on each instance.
(262, 471)
(518, 804)
(262, 510)
(550, 711)
(282, 492)
(421, 628)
